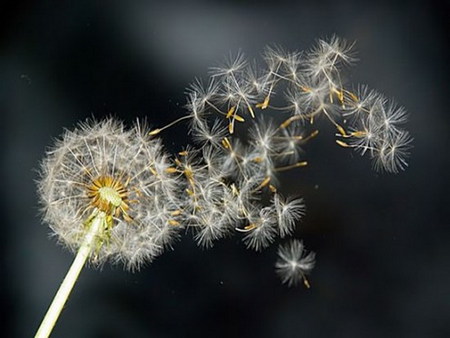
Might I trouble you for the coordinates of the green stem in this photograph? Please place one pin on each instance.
(85, 250)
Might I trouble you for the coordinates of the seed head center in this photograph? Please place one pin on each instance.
(110, 195)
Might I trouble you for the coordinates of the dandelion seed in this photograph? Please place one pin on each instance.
(392, 154)
(288, 212)
(261, 231)
(294, 263)
(232, 65)
(324, 59)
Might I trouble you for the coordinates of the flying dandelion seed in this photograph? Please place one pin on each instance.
(294, 264)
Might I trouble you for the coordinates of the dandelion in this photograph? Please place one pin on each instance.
(113, 195)
(107, 194)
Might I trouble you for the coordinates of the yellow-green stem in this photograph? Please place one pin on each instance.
(85, 250)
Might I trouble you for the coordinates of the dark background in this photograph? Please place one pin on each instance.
(382, 241)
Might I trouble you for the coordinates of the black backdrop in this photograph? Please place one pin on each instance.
(382, 241)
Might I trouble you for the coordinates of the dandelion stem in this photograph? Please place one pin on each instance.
(63, 293)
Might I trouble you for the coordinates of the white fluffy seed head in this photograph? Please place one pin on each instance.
(101, 166)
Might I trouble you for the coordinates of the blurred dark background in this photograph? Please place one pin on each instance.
(382, 241)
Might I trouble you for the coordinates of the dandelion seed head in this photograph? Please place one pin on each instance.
(101, 166)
